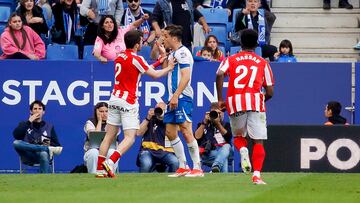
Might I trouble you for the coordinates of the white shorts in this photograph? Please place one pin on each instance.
(252, 123)
(123, 114)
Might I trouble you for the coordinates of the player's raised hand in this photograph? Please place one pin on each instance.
(145, 16)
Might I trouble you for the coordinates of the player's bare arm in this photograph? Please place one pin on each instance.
(159, 73)
(269, 92)
(219, 88)
(185, 78)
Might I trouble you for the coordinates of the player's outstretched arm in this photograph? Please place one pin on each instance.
(269, 92)
(159, 73)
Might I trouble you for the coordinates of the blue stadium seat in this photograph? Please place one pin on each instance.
(5, 12)
(87, 55)
(235, 12)
(62, 52)
(148, 4)
(258, 51)
(234, 50)
(145, 52)
(220, 33)
(215, 17)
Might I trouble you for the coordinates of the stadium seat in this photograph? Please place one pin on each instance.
(62, 52)
(258, 51)
(234, 50)
(24, 166)
(145, 52)
(235, 12)
(5, 12)
(215, 17)
(88, 56)
(220, 33)
(148, 4)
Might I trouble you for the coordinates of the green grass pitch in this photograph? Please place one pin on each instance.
(135, 187)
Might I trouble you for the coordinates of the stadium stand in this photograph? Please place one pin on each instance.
(317, 35)
(62, 52)
(235, 49)
(198, 48)
(145, 52)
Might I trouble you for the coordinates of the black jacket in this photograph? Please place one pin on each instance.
(39, 28)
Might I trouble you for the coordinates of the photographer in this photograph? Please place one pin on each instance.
(214, 138)
(156, 152)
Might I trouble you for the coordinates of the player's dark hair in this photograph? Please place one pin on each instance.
(38, 102)
(335, 107)
(101, 32)
(175, 31)
(286, 44)
(132, 37)
(249, 38)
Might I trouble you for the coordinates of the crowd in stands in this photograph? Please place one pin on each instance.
(102, 24)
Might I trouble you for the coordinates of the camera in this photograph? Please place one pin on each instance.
(213, 115)
(158, 112)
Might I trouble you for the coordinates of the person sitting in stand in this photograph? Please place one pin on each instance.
(212, 42)
(285, 53)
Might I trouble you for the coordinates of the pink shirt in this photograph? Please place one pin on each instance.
(33, 46)
(110, 51)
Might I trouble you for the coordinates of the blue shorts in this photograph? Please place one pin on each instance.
(181, 114)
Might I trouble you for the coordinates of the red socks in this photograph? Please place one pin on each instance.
(101, 159)
(239, 142)
(115, 156)
(258, 156)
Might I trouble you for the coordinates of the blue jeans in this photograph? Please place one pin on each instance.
(218, 156)
(33, 154)
(147, 162)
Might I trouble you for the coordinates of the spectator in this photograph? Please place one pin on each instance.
(342, 4)
(32, 16)
(206, 53)
(66, 29)
(135, 12)
(214, 138)
(19, 41)
(253, 18)
(234, 4)
(183, 14)
(96, 123)
(332, 113)
(35, 139)
(94, 10)
(285, 53)
(155, 149)
(212, 42)
(110, 40)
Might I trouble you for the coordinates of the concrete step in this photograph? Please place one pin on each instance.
(349, 51)
(317, 40)
(308, 3)
(317, 18)
(316, 30)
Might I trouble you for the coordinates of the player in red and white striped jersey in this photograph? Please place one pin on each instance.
(250, 85)
(123, 104)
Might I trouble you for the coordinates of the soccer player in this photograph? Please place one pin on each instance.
(249, 75)
(123, 104)
(180, 102)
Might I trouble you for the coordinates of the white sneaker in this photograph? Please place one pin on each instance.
(54, 150)
(245, 160)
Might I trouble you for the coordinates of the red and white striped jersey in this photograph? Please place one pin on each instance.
(128, 70)
(248, 74)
